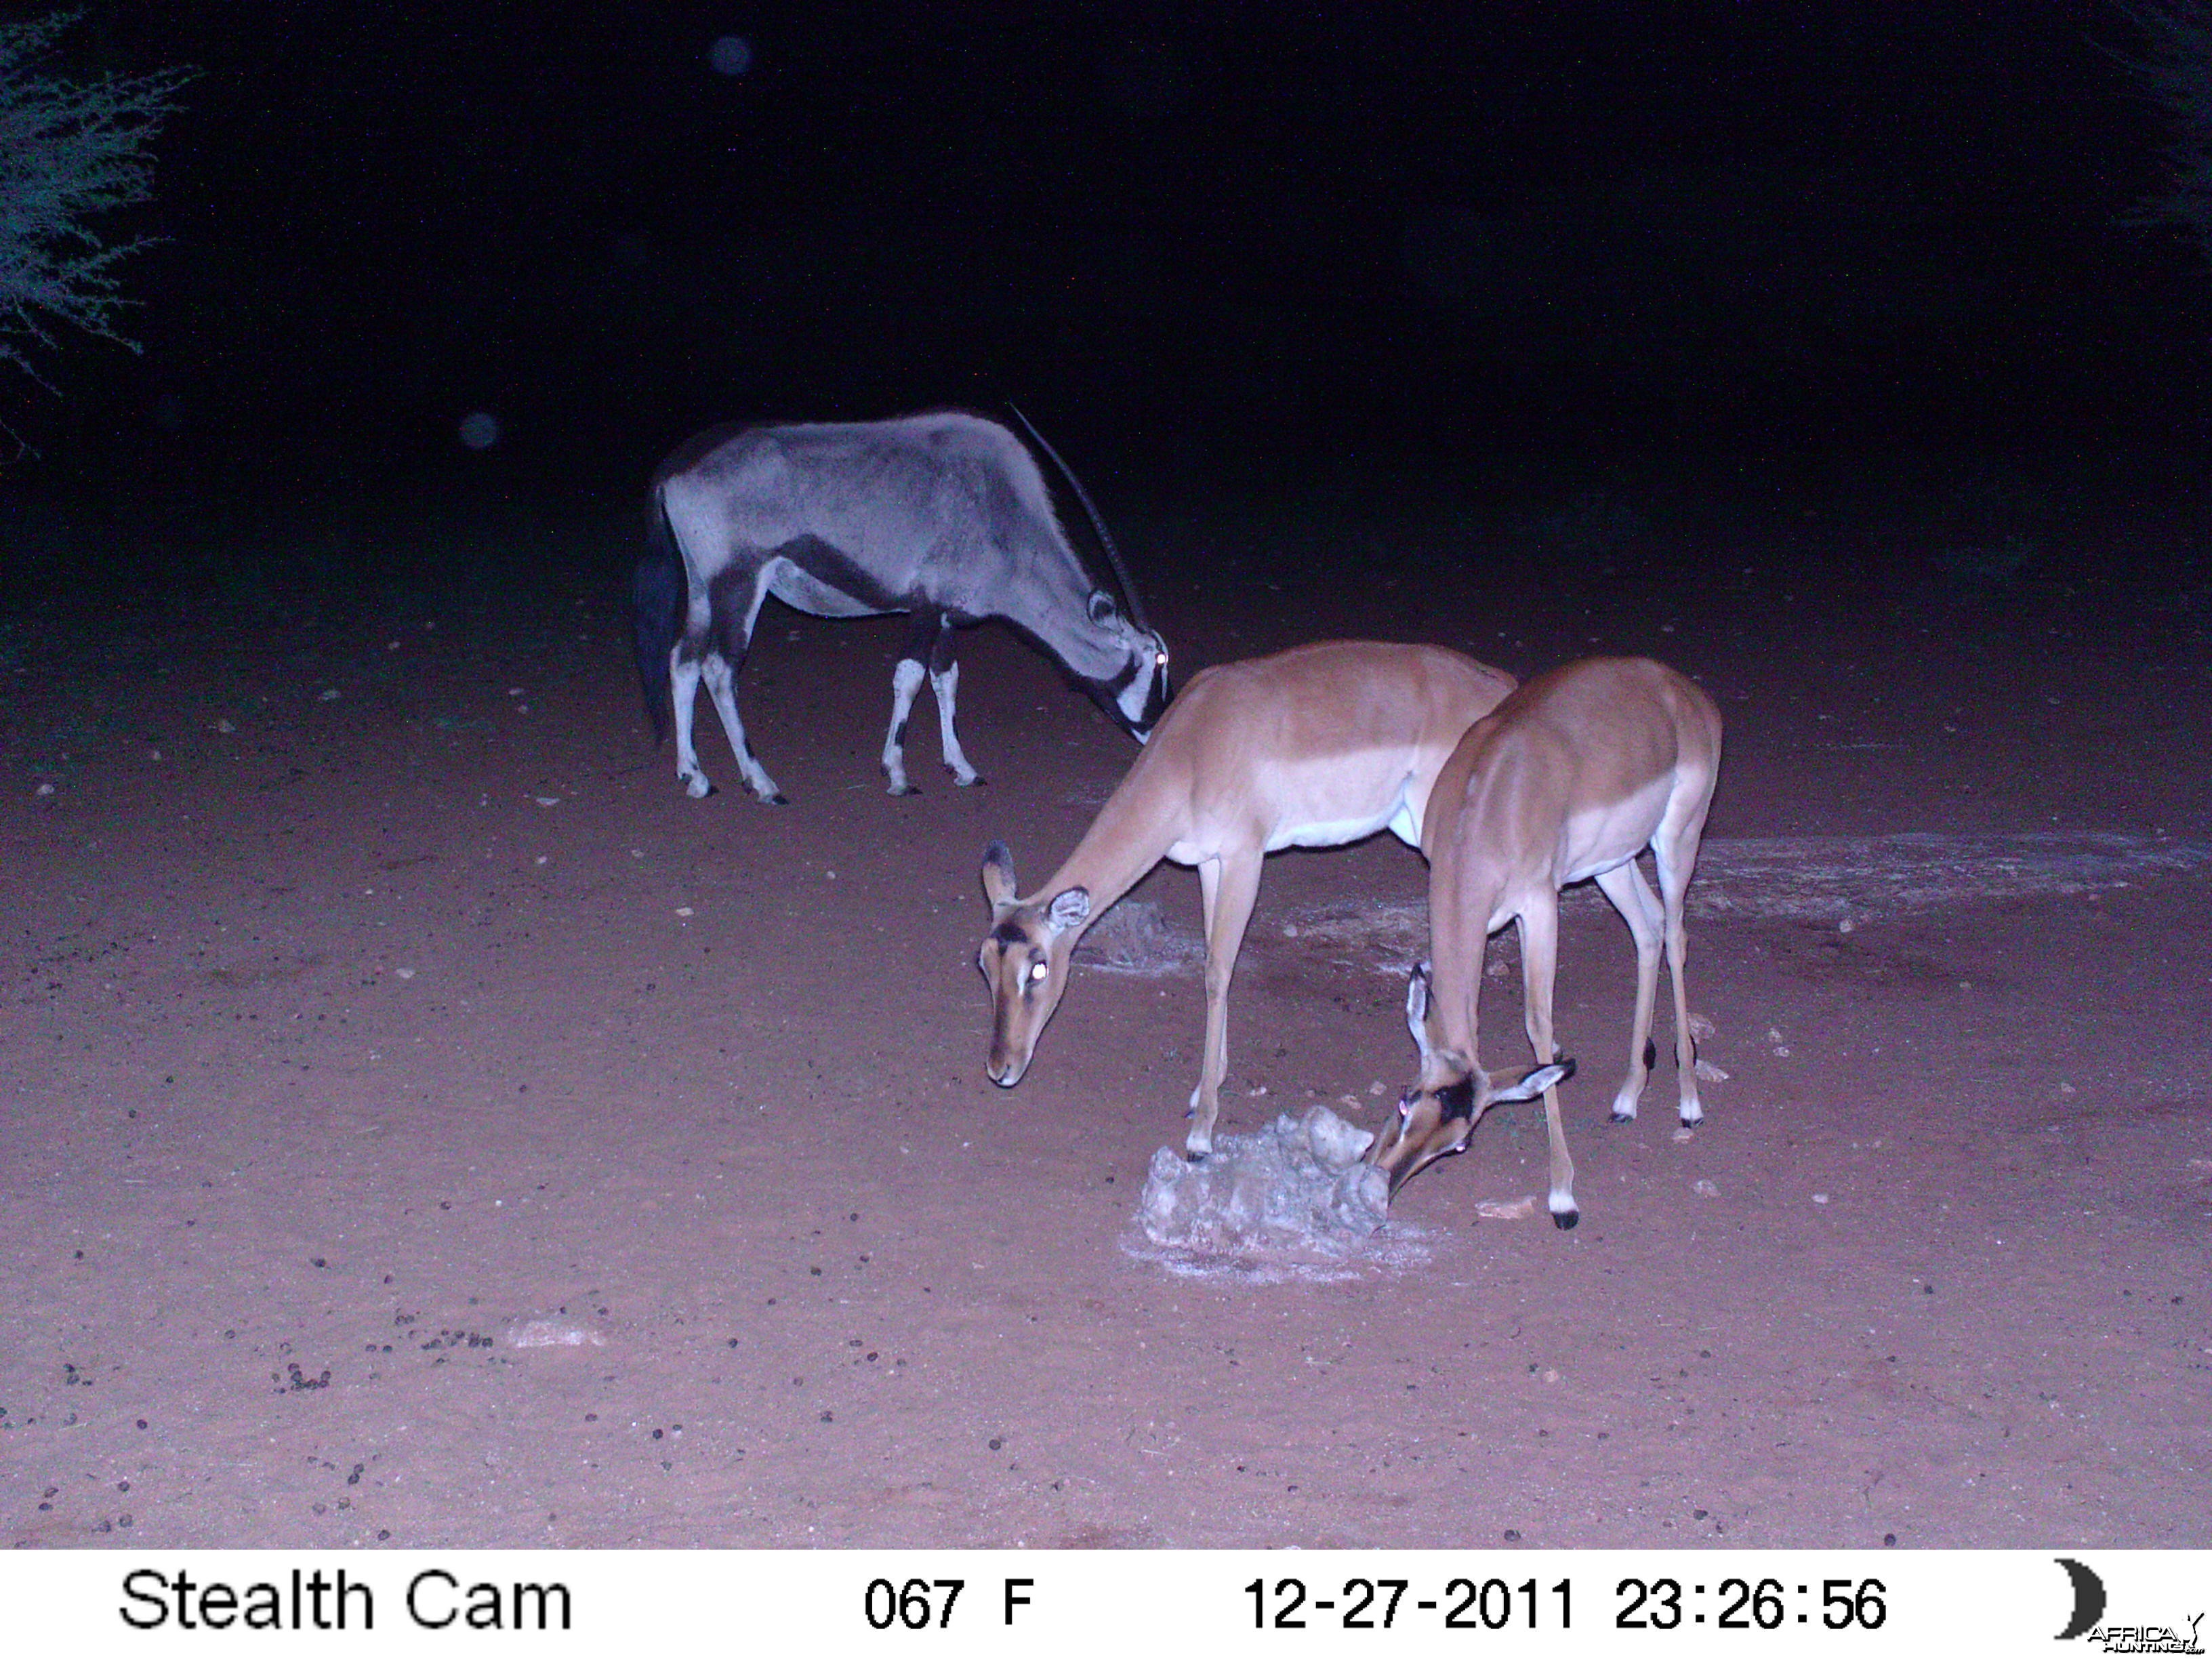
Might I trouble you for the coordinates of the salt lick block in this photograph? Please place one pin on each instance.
(1299, 1182)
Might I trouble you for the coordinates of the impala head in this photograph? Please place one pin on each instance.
(1024, 960)
(1136, 694)
(1437, 1114)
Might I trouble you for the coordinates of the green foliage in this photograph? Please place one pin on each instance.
(2177, 74)
(70, 151)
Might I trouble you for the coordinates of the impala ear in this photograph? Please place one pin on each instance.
(1103, 609)
(1069, 909)
(1534, 1084)
(1417, 1006)
(999, 875)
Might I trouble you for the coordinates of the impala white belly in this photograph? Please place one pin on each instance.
(1598, 838)
(1335, 832)
(1346, 798)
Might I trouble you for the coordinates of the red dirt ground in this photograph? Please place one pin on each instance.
(373, 992)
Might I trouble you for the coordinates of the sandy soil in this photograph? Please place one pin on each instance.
(424, 1125)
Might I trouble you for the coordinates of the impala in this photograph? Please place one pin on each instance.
(1567, 780)
(1316, 746)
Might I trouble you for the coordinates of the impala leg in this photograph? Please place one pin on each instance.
(1673, 882)
(1539, 955)
(1229, 886)
(1639, 908)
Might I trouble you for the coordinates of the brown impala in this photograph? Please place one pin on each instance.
(1567, 780)
(1315, 746)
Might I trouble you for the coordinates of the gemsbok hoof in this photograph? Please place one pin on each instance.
(778, 799)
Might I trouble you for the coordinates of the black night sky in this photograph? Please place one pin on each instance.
(1228, 241)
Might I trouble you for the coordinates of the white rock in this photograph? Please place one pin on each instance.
(554, 1333)
(1298, 1183)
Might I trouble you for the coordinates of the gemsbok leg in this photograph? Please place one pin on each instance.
(715, 658)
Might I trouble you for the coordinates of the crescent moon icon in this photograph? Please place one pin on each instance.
(2088, 1599)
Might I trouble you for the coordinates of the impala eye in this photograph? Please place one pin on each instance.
(1037, 971)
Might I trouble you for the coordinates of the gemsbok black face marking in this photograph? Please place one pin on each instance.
(1313, 747)
(944, 517)
(1568, 779)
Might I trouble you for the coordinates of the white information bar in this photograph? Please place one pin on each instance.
(1237, 1601)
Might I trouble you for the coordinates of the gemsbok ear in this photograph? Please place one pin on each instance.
(1417, 1006)
(1103, 609)
(999, 875)
(1534, 1084)
(1069, 909)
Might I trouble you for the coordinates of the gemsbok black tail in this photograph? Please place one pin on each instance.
(656, 600)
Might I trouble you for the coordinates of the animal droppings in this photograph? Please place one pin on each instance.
(1295, 1190)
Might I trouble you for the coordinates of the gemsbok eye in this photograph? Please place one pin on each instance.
(1161, 660)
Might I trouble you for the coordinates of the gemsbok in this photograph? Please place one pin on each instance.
(1567, 780)
(942, 516)
(1316, 746)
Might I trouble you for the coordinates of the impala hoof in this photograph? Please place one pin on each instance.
(1624, 1117)
(1565, 1221)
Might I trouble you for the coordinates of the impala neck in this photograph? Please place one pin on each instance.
(1459, 941)
(1131, 833)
